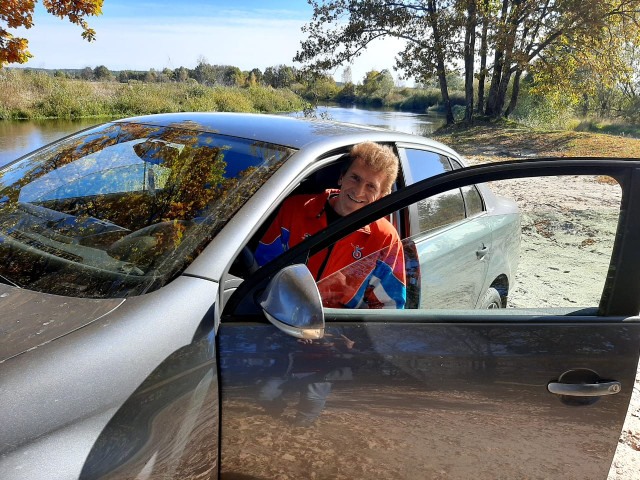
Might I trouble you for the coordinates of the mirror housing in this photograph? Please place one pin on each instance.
(292, 303)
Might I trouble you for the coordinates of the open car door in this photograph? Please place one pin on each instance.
(538, 389)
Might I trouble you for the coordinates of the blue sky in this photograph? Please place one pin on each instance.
(139, 35)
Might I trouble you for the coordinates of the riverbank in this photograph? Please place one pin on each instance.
(510, 141)
(38, 96)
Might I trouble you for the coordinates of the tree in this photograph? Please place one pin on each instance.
(346, 75)
(167, 75)
(280, 76)
(340, 30)
(233, 77)
(376, 84)
(181, 74)
(440, 35)
(257, 75)
(102, 73)
(86, 73)
(15, 14)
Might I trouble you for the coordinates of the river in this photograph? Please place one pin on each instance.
(20, 137)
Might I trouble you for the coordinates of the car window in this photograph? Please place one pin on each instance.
(440, 210)
(456, 165)
(121, 209)
(546, 242)
(472, 200)
(424, 164)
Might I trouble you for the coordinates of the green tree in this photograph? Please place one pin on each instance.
(257, 74)
(181, 74)
(511, 36)
(204, 73)
(233, 77)
(15, 14)
(376, 84)
(280, 76)
(102, 73)
(86, 73)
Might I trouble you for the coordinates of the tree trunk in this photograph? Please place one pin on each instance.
(442, 72)
(515, 91)
(492, 108)
(469, 50)
(444, 90)
(483, 58)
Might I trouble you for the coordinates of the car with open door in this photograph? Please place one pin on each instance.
(139, 342)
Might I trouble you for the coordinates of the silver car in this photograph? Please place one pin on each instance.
(139, 341)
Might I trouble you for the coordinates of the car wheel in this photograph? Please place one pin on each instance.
(490, 300)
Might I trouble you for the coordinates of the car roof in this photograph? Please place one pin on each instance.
(278, 129)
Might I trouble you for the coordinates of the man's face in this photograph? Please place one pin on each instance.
(359, 187)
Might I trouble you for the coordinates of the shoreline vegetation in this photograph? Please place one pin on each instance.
(26, 95)
(37, 94)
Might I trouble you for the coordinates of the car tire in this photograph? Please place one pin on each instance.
(491, 300)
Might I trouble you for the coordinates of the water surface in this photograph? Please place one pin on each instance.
(18, 138)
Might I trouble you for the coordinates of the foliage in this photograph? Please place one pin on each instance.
(280, 76)
(519, 36)
(102, 73)
(25, 94)
(15, 14)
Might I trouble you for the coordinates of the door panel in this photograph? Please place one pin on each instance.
(457, 394)
(453, 274)
(421, 400)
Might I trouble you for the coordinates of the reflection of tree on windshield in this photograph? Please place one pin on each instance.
(149, 188)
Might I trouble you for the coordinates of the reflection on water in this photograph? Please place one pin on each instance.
(18, 138)
(408, 122)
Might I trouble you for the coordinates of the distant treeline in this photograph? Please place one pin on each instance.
(67, 93)
(376, 89)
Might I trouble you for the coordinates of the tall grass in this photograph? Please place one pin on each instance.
(31, 95)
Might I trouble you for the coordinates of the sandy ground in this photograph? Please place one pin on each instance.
(565, 216)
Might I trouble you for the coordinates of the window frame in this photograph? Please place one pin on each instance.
(615, 299)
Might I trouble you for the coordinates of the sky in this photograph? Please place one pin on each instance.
(139, 35)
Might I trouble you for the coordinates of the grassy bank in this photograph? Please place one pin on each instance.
(25, 95)
(509, 141)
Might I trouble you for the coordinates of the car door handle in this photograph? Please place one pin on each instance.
(584, 389)
(482, 252)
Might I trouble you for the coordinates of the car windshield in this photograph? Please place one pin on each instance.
(123, 208)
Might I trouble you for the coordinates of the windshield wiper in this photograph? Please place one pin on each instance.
(6, 281)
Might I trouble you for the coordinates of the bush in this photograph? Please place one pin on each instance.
(25, 94)
(421, 100)
(542, 112)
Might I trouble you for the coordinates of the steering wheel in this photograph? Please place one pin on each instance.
(248, 260)
(145, 246)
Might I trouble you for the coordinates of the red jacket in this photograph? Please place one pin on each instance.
(377, 280)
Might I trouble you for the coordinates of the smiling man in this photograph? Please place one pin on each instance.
(379, 279)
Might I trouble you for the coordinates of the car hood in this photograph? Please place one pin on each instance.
(29, 319)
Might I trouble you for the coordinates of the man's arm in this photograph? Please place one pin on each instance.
(385, 285)
(375, 281)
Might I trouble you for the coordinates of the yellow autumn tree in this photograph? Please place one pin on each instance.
(19, 13)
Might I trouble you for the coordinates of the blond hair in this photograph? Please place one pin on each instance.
(379, 158)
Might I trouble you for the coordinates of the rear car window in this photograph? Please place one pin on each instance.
(123, 208)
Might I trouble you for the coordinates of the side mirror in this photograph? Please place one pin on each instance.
(292, 303)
